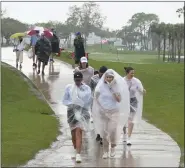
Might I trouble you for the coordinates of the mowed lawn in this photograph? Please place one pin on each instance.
(24, 129)
(124, 58)
(164, 101)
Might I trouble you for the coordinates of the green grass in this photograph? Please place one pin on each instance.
(134, 58)
(164, 101)
(25, 130)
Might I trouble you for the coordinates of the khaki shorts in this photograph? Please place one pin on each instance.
(19, 56)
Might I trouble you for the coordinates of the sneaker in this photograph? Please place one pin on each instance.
(73, 154)
(78, 158)
(124, 137)
(129, 142)
(98, 137)
(105, 155)
(91, 120)
(112, 152)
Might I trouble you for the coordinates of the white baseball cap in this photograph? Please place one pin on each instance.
(83, 59)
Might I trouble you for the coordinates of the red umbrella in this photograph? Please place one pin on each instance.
(41, 30)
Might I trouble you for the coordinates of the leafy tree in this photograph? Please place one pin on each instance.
(141, 23)
(86, 16)
(11, 26)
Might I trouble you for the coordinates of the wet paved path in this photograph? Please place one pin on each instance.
(151, 147)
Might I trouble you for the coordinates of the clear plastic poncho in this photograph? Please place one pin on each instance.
(110, 116)
(139, 96)
(78, 101)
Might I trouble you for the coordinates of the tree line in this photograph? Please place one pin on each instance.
(142, 29)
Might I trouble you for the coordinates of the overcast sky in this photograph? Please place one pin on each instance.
(118, 13)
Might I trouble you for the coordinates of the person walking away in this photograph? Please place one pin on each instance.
(19, 52)
(94, 81)
(136, 102)
(43, 51)
(34, 40)
(55, 42)
(110, 109)
(79, 48)
(86, 70)
(77, 98)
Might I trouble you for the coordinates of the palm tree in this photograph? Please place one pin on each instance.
(162, 28)
(155, 28)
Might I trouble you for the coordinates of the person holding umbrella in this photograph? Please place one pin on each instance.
(43, 51)
(79, 48)
(19, 47)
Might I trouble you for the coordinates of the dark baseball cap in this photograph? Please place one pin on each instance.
(103, 69)
(78, 75)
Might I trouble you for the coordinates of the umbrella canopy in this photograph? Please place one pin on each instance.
(41, 30)
(16, 35)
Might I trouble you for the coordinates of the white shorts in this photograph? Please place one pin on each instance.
(19, 56)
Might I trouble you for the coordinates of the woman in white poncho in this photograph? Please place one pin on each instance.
(110, 109)
(78, 99)
(136, 101)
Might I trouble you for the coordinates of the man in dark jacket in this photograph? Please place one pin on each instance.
(55, 42)
(43, 51)
(79, 47)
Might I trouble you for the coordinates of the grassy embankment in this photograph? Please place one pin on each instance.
(27, 122)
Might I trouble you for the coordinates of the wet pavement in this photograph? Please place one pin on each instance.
(151, 147)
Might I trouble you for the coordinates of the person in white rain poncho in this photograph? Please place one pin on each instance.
(78, 99)
(19, 48)
(136, 101)
(110, 109)
(94, 81)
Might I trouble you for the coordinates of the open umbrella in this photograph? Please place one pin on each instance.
(41, 30)
(16, 35)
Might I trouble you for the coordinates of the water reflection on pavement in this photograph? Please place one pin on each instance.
(151, 147)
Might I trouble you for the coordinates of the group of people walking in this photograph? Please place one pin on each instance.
(112, 101)
(42, 47)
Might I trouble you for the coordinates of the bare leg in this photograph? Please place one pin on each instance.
(39, 64)
(105, 145)
(78, 134)
(33, 50)
(73, 134)
(124, 130)
(43, 67)
(130, 128)
(17, 58)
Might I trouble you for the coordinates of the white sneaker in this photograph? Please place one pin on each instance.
(129, 142)
(105, 155)
(78, 158)
(91, 120)
(124, 137)
(112, 152)
(73, 154)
